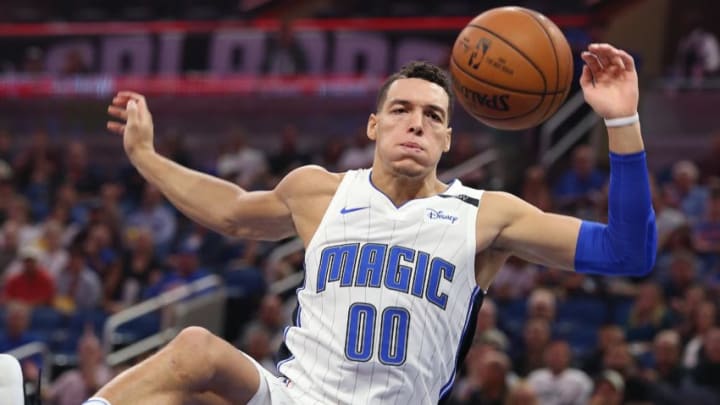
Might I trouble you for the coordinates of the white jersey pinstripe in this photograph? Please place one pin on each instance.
(389, 296)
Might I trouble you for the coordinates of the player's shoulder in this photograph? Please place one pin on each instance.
(309, 179)
(503, 206)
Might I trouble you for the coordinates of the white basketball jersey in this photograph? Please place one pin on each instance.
(389, 303)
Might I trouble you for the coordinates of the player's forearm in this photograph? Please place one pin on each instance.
(181, 186)
(628, 243)
(626, 139)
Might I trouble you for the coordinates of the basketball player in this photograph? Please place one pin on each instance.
(397, 262)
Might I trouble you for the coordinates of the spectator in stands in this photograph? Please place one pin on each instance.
(557, 383)
(618, 358)
(580, 188)
(289, 155)
(698, 53)
(580, 285)
(74, 64)
(685, 311)
(9, 246)
(79, 171)
(515, 279)
(111, 204)
(78, 287)
(609, 389)
(18, 211)
(684, 192)
(15, 334)
(488, 380)
(522, 394)
(682, 275)
(256, 344)
(535, 188)
(54, 256)
(39, 188)
(707, 372)
(242, 163)
(465, 146)
(486, 330)
(667, 218)
(648, 314)
(185, 270)
(706, 232)
(173, 144)
(705, 319)
(141, 268)
(38, 151)
(154, 215)
(536, 337)
(666, 372)
(273, 318)
(542, 304)
(33, 285)
(329, 156)
(359, 155)
(284, 55)
(7, 189)
(608, 336)
(74, 386)
(101, 252)
(69, 212)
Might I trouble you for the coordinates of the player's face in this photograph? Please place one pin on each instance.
(411, 129)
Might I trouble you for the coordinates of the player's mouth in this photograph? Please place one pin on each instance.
(411, 145)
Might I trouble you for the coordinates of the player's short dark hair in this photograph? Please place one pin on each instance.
(420, 70)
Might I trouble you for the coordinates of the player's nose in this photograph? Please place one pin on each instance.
(415, 126)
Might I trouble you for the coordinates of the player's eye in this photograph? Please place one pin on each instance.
(433, 116)
(399, 110)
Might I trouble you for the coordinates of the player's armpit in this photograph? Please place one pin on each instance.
(529, 233)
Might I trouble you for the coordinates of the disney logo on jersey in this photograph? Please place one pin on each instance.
(432, 215)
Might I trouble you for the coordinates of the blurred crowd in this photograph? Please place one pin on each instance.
(75, 239)
(137, 10)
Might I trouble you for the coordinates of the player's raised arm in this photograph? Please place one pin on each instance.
(627, 244)
(215, 203)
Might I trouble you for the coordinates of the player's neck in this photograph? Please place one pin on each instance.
(401, 189)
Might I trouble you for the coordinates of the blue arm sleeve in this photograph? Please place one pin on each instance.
(627, 245)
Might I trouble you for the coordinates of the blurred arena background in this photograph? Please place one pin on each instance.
(97, 270)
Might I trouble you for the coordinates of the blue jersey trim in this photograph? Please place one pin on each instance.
(284, 355)
(466, 338)
(397, 207)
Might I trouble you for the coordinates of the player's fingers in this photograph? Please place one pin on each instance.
(130, 94)
(116, 127)
(603, 52)
(117, 112)
(143, 112)
(120, 101)
(592, 62)
(133, 114)
(628, 60)
(586, 78)
(618, 62)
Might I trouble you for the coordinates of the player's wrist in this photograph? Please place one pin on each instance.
(622, 120)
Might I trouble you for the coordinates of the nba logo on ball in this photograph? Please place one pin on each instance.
(511, 68)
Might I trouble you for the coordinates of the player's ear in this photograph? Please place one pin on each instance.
(372, 127)
(448, 139)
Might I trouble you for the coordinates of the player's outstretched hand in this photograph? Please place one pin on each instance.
(609, 81)
(136, 124)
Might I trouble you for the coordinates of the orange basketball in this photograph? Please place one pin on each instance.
(511, 67)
